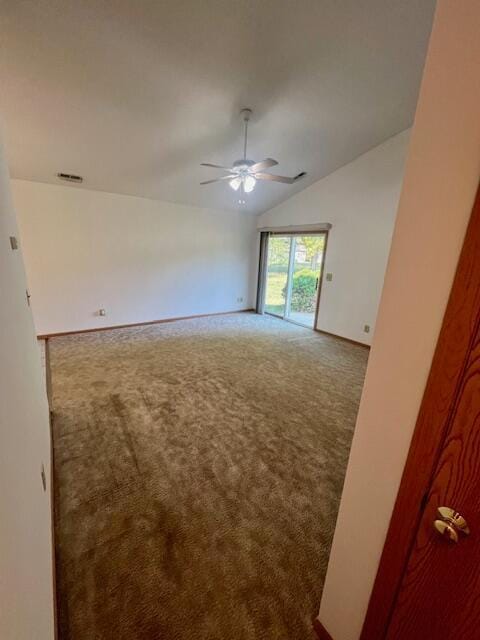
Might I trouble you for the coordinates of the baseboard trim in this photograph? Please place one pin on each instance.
(322, 633)
(48, 376)
(46, 336)
(334, 335)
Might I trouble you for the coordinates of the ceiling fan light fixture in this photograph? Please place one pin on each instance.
(249, 184)
(235, 183)
(245, 172)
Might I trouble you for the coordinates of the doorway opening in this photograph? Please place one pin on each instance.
(293, 276)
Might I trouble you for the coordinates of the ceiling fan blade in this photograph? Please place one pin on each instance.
(215, 166)
(270, 176)
(219, 179)
(264, 164)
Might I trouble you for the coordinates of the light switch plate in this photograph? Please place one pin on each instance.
(13, 243)
(329, 277)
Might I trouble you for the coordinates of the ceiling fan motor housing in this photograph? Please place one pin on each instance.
(243, 164)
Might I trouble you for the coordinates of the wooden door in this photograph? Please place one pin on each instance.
(428, 586)
(440, 592)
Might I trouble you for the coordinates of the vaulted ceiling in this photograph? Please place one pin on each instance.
(135, 95)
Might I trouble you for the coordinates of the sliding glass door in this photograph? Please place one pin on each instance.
(293, 276)
(307, 258)
(277, 274)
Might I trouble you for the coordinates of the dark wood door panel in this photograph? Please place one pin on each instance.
(440, 593)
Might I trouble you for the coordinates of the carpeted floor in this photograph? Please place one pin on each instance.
(199, 466)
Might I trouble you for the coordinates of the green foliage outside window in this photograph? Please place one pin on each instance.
(304, 288)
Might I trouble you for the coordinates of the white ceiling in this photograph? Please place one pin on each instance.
(134, 94)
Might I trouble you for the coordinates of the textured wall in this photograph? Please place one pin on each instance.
(26, 595)
(139, 259)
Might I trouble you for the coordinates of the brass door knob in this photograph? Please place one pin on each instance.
(450, 523)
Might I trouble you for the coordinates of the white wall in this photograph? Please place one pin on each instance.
(441, 178)
(139, 259)
(360, 200)
(26, 579)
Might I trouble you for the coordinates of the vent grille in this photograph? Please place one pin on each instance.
(70, 177)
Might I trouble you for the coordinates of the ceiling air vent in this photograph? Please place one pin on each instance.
(300, 175)
(70, 177)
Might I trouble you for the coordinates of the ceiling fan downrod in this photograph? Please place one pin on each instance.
(246, 113)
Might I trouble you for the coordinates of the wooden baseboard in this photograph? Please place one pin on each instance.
(48, 376)
(45, 336)
(334, 335)
(320, 630)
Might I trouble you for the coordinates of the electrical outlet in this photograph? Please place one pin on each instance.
(13, 243)
(366, 328)
(102, 312)
(239, 299)
(329, 277)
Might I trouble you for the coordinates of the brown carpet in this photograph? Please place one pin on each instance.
(199, 466)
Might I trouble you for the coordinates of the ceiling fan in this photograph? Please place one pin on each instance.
(244, 173)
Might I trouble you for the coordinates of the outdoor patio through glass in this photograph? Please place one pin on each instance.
(293, 276)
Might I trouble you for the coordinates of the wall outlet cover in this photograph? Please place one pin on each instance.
(329, 277)
(366, 328)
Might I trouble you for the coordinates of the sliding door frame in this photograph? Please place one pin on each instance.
(320, 282)
(291, 259)
(291, 264)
